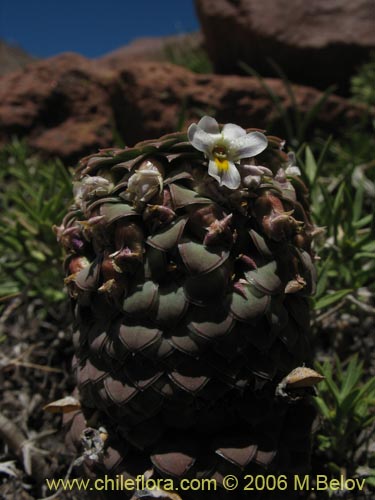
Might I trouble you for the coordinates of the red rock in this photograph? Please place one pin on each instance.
(316, 42)
(69, 106)
(62, 105)
(157, 97)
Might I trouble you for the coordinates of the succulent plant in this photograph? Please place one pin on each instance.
(189, 265)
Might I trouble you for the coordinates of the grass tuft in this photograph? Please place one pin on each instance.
(34, 195)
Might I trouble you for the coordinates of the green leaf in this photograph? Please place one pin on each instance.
(38, 255)
(368, 246)
(351, 376)
(370, 481)
(311, 166)
(332, 298)
(314, 110)
(323, 276)
(322, 407)
(368, 387)
(338, 367)
(348, 403)
(358, 202)
(337, 204)
(326, 370)
(11, 242)
(323, 153)
(365, 221)
(274, 97)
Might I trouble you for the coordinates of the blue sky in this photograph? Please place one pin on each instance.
(92, 28)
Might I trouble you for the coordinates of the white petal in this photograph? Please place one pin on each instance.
(214, 171)
(209, 125)
(250, 145)
(200, 139)
(231, 131)
(280, 175)
(231, 177)
(267, 171)
(255, 170)
(293, 170)
(252, 181)
(291, 158)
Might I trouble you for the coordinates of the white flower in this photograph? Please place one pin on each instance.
(292, 168)
(225, 148)
(143, 185)
(252, 174)
(89, 187)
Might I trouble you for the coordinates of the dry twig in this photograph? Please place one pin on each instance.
(18, 443)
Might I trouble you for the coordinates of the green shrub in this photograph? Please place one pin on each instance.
(347, 406)
(34, 195)
(189, 55)
(363, 83)
(342, 196)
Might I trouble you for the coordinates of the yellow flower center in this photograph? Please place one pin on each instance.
(220, 158)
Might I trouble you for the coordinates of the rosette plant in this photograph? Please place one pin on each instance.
(189, 265)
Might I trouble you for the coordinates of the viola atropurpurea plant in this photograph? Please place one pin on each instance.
(189, 264)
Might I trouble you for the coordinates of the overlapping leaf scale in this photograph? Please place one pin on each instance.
(172, 305)
(200, 259)
(210, 323)
(183, 196)
(249, 304)
(141, 300)
(257, 333)
(209, 287)
(167, 238)
(184, 341)
(119, 392)
(260, 244)
(308, 270)
(113, 212)
(137, 337)
(87, 279)
(265, 279)
(155, 264)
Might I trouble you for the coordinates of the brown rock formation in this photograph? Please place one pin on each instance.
(60, 104)
(318, 42)
(69, 106)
